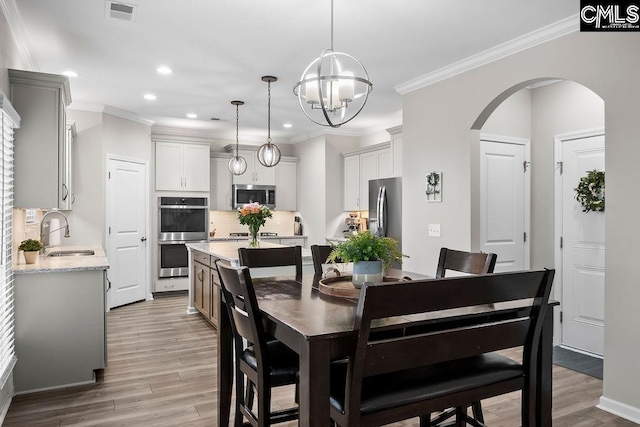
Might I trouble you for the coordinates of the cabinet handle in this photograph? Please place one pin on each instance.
(358, 202)
(185, 182)
(109, 283)
(65, 192)
(73, 200)
(201, 275)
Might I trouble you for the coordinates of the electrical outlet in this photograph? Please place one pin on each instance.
(434, 230)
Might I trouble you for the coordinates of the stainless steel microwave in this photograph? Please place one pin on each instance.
(246, 193)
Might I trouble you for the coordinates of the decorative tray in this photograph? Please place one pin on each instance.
(342, 287)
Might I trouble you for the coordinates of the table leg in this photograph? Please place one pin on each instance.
(314, 384)
(225, 368)
(545, 371)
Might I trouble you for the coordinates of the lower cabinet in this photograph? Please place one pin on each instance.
(206, 287)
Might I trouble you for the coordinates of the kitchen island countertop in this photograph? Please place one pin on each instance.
(62, 264)
(228, 250)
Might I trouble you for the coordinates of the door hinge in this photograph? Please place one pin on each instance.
(560, 317)
(525, 165)
(525, 237)
(559, 165)
(561, 242)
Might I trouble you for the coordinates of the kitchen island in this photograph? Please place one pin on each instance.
(204, 284)
(60, 319)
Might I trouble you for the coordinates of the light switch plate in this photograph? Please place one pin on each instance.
(434, 230)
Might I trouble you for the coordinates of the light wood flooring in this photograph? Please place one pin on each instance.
(161, 372)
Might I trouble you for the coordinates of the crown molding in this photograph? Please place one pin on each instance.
(324, 132)
(166, 133)
(108, 109)
(527, 41)
(5, 105)
(395, 130)
(16, 26)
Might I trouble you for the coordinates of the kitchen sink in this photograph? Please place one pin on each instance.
(80, 252)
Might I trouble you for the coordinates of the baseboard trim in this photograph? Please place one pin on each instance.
(57, 387)
(620, 409)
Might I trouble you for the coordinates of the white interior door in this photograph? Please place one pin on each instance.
(583, 250)
(504, 203)
(127, 231)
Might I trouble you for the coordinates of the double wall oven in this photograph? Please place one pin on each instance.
(181, 220)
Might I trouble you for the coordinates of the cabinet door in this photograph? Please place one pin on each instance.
(294, 241)
(206, 293)
(385, 164)
(262, 174)
(351, 183)
(220, 185)
(368, 171)
(198, 281)
(195, 167)
(168, 166)
(287, 186)
(216, 307)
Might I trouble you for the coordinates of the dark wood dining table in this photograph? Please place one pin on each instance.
(320, 329)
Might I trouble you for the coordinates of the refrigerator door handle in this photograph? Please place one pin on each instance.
(382, 211)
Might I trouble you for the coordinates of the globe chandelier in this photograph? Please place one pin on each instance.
(237, 164)
(334, 88)
(269, 154)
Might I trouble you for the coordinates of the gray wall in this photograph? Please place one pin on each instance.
(438, 135)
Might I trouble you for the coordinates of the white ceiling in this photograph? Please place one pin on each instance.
(219, 49)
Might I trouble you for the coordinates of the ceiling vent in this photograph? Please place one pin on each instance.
(121, 11)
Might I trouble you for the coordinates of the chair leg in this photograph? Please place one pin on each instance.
(425, 420)
(461, 416)
(477, 411)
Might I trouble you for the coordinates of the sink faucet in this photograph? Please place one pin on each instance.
(44, 235)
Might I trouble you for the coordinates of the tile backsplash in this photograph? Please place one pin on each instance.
(225, 222)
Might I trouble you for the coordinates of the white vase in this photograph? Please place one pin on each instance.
(366, 271)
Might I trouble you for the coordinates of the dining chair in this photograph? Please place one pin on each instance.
(457, 361)
(320, 253)
(469, 263)
(264, 363)
(272, 257)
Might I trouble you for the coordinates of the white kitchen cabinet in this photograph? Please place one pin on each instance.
(359, 168)
(220, 185)
(182, 167)
(256, 173)
(42, 154)
(396, 149)
(293, 241)
(287, 185)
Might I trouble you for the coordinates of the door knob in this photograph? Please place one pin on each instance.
(143, 239)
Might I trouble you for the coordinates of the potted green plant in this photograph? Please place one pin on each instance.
(31, 247)
(369, 253)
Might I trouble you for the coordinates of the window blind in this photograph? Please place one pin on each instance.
(7, 345)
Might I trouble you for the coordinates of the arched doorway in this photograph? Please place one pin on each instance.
(540, 111)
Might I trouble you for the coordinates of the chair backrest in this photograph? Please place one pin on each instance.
(487, 331)
(242, 306)
(320, 253)
(272, 257)
(465, 262)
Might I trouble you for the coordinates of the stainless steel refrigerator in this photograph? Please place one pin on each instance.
(385, 209)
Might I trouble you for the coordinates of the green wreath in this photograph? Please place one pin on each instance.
(590, 191)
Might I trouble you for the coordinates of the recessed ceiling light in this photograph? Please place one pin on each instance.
(287, 125)
(192, 116)
(164, 70)
(70, 73)
(149, 97)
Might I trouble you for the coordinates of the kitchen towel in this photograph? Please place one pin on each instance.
(54, 232)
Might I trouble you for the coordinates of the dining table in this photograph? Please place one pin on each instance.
(320, 328)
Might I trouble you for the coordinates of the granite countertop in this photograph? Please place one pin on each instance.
(228, 251)
(63, 264)
(233, 238)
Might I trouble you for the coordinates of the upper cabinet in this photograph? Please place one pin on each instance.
(182, 167)
(256, 173)
(396, 149)
(220, 185)
(287, 184)
(42, 156)
(360, 167)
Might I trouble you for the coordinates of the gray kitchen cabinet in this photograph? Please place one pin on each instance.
(256, 173)
(206, 286)
(60, 328)
(286, 173)
(182, 167)
(360, 167)
(42, 155)
(220, 185)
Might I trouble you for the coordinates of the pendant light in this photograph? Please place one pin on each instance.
(269, 154)
(237, 164)
(334, 88)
